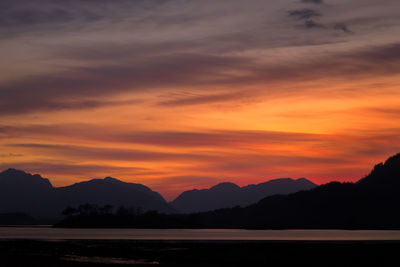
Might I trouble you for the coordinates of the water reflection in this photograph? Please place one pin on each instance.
(104, 260)
(191, 234)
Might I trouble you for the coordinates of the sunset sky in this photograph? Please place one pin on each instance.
(182, 94)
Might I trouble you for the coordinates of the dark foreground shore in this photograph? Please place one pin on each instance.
(198, 253)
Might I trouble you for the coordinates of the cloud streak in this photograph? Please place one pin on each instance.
(46, 16)
(51, 92)
(96, 153)
(342, 27)
(304, 13)
(313, 1)
(57, 92)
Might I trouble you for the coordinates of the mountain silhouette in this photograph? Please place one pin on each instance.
(226, 195)
(110, 191)
(370, 203)
(23, 192)
(384, 175)
(34, 195)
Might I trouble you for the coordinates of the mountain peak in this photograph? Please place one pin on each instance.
(12, 171)
(306, 181)
(393, 161)
(225, 186)
(384, 174)
(22, 178)
(111, 179)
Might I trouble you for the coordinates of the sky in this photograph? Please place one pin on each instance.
(183, 94)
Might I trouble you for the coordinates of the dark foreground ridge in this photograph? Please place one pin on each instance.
(16, 219)
(371, 203)
(192, 253)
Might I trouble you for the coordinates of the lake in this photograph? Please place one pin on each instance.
(49, 233)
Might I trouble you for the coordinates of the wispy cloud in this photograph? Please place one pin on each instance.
(342, 27)
(46, 16)
(312, 24)
(304, 13)
(313, 1)
(56, 92)
(97, 154)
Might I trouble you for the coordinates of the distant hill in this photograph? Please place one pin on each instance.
(34, 195)
(21, 192)
(227, 195)
(110, 191)
(26, 193)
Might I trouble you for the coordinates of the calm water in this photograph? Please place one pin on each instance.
(184, 234)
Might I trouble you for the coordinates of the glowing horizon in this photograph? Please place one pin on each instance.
(181, 94)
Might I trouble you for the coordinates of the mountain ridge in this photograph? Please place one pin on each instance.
(227, 194)
(38, 197)
(369, 204)
(32, 194)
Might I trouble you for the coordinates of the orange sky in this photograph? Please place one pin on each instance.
(178, 95)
